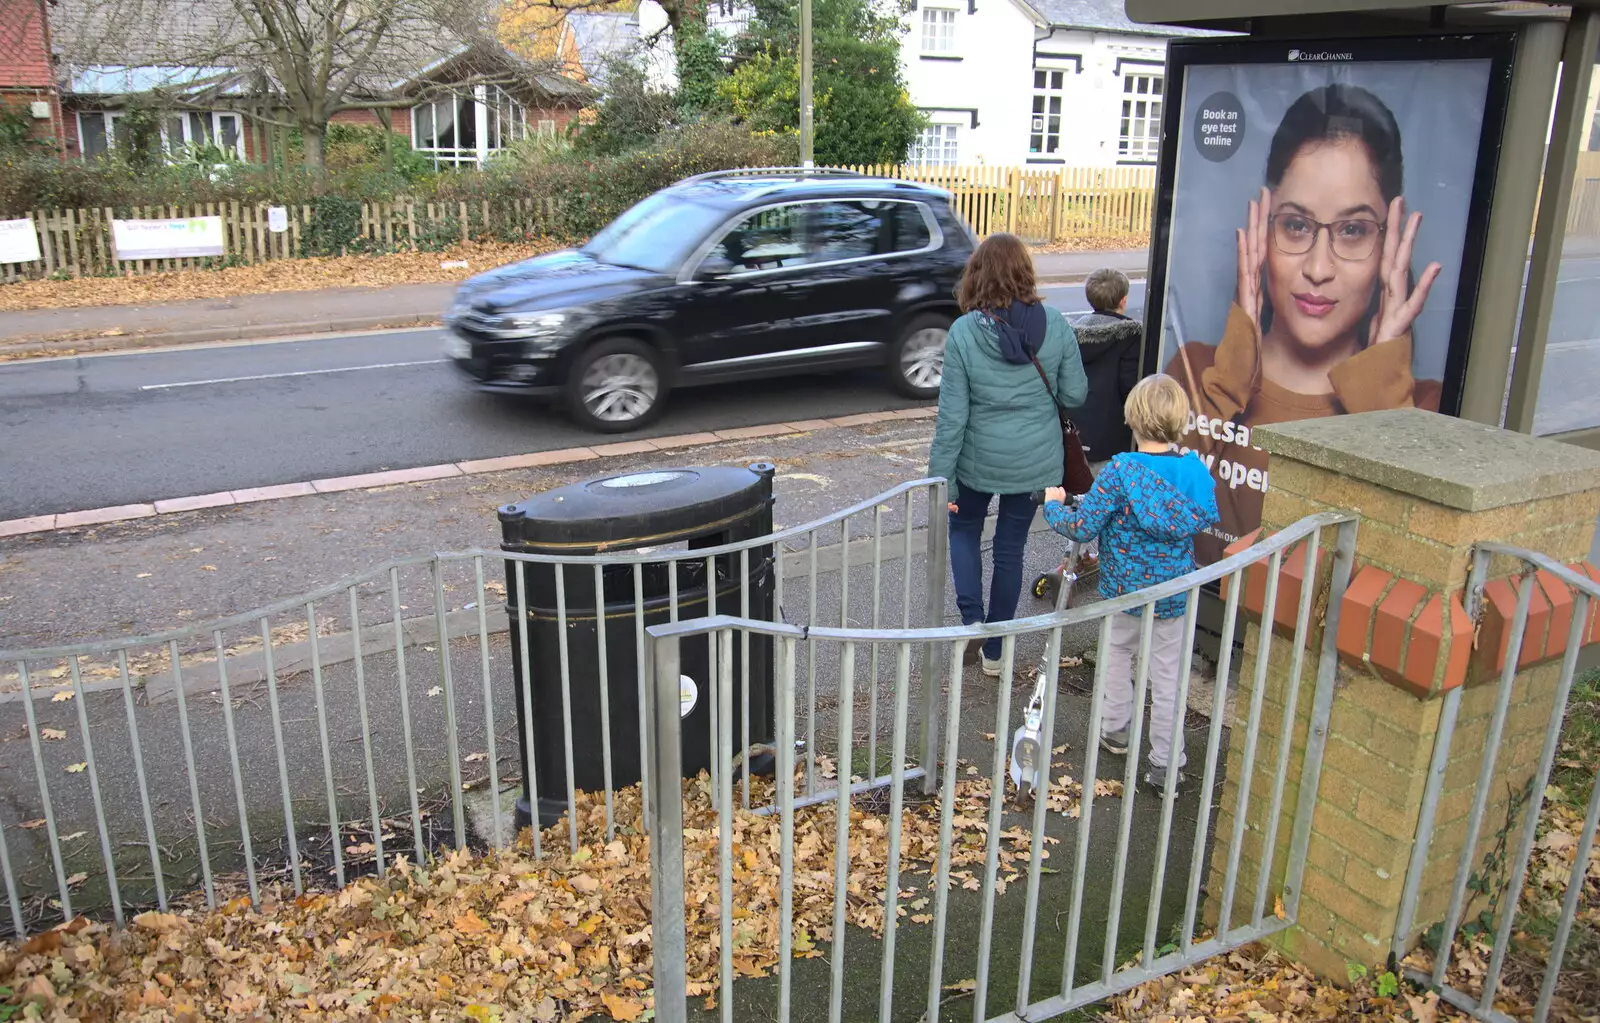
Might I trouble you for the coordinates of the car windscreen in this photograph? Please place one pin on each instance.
(657, 234)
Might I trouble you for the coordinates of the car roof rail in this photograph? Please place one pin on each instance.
(769, 172)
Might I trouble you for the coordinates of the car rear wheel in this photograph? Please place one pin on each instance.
(916, 362)
(616, 386)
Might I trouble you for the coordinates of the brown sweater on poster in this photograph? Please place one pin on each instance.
(1230, 398)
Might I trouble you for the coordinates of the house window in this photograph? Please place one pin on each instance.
(1044, 133)
(1140, 137)
(97, 132)
(935, 147)
(938, 30)
(100, 131)
(464, 131)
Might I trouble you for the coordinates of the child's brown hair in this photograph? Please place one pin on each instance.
(1105, 289)
(1157, 409)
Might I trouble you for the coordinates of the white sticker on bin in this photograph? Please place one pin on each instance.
(688, 695)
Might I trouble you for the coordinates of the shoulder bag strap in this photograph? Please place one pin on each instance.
(1059, 410)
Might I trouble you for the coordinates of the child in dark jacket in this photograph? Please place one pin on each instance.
(1110, 342)
(1145, 509)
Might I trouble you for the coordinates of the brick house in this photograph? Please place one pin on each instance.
(27, 82)
(456, 100)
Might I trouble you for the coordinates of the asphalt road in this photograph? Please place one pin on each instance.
(120, 429)
(98, 431)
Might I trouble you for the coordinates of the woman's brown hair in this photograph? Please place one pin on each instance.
(1000, 272)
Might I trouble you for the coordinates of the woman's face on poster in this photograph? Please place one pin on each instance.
(1324, 242)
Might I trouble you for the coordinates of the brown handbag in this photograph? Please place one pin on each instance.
(1076, 477)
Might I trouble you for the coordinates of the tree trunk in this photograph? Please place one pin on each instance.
(312, 138)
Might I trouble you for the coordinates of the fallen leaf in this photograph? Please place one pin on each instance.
(62, 697)
(584, 883)
(470, 923)
(74, 836)
(143, 575)
(32, 825)
(76, 879)
(1277, 908)
(435, 691)
(208, 568)
(474, 758)
(77, 768)
(624, 1009)
(52, 734)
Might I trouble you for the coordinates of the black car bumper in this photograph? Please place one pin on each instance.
(503, 367)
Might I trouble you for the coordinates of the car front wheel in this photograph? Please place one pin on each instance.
(916, 362)
(616, 386)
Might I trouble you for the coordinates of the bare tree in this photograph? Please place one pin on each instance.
(313, 58)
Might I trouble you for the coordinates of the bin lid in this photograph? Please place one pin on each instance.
(637, 509)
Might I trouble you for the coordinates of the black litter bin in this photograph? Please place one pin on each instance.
(690, 508)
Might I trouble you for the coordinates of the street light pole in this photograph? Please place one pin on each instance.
(806, 129)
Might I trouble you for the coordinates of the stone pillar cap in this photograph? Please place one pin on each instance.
(1442, 459)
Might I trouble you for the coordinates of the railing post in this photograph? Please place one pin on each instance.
(666, 837)
(932, 663)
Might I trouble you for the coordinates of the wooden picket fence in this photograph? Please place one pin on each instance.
(1043, 205)
(78, 242)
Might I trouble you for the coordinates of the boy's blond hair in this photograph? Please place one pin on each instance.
(1157, 409)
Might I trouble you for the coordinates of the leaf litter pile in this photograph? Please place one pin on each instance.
(504, 936)
(274, 275)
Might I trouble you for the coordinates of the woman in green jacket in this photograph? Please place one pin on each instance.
(998, 432)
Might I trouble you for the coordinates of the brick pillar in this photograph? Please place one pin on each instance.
(1427, 488)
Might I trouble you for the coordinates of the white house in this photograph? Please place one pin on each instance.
(1046, 82)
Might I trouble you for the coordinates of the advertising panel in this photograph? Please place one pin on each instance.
(167, 239)
(1319, 235)
(19, 241)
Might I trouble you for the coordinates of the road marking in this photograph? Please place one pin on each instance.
(1563, 346)
(203, 346)
(300, 373)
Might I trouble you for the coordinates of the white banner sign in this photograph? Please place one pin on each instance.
(277, 219)
(19, 242)
(167, 239)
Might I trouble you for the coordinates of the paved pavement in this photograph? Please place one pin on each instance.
(189, 568)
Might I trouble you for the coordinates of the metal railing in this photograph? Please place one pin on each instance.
(315, 738)
(1085, 975)
(1479, 991)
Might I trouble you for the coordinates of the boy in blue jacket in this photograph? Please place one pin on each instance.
(1146, 507)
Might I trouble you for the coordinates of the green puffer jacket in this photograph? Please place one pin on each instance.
(997, 430)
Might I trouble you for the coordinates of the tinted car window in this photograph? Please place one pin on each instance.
(656, 234)
(910, 228)
(765, 240)
(850, 230)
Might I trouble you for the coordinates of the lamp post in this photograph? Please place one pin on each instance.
(807, 132)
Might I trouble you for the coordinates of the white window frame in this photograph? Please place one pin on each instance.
(108, 128)
(1139, 129)
(939, 31)
(1040, 112)
(937, 145)
(213, 120)
(495, 112)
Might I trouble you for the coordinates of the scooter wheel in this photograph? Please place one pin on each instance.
(1044, 587)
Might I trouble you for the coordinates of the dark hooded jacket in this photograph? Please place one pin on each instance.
(1111, 345)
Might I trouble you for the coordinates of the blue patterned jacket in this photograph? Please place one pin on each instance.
(1146, 509)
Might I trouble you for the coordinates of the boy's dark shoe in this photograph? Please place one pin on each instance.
(1115, 743)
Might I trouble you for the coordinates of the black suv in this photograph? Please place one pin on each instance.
(723, 276)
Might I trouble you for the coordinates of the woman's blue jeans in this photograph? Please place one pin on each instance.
(966, 557)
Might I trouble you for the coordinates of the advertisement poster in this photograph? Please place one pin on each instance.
(167, 239)
(1318, 237)
(19, 242)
